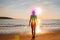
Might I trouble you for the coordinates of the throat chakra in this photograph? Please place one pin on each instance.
(33, 15)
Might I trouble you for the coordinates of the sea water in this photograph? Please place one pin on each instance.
(22, 26)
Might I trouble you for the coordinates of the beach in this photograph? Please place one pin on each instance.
(22, 36)
(48, 31)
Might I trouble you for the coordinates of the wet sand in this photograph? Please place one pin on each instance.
(22, 36)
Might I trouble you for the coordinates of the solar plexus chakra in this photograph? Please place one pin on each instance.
(33, 24)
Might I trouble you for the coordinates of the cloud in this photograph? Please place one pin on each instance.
(23, 7)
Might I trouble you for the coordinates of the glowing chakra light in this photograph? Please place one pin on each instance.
(33, 12)
(33, 18)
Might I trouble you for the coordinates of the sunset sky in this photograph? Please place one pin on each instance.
(21, 9)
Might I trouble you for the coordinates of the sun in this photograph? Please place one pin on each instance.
(38, 11)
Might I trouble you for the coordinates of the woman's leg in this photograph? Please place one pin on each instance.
(34, 31)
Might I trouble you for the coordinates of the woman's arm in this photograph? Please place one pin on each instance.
(30, 21)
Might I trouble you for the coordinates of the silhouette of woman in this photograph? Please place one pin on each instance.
(32, 23)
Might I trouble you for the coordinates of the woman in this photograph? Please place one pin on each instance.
(32, 22)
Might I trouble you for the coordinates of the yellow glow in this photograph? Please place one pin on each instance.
(38, 11)
(38, 30)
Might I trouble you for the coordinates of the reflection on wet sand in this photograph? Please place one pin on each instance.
(22, 36)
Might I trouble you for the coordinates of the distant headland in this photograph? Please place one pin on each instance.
(6, 18)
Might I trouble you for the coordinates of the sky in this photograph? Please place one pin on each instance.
(21, 9)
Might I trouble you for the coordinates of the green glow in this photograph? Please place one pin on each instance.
(33, 18)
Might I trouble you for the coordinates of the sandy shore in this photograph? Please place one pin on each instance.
(22, 36)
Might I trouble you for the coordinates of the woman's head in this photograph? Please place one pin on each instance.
(33, 12)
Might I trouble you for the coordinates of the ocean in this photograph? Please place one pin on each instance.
(22, 26)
